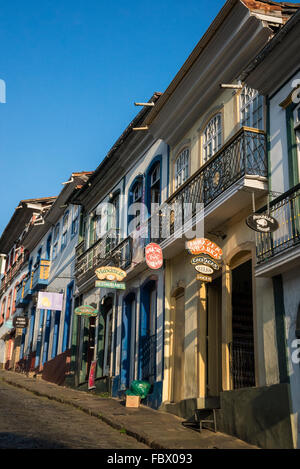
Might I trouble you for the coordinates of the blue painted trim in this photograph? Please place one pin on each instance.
(39, 339)
(126, 340)
(155, 160)
(148, 286)
(47, 336)
(154, 399)
(32, 322)
(48, 247)
(68, 315)
(130, 198)
(55, 334)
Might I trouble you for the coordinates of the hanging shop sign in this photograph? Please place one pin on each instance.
(110, 273)
(154, 256)
(106, 284)
(263, 223)
(86, 310)
(204, 246)
(204, 278)
(204, 269)
(92, 375)
(206, 261)
(50, 300)
(20, 322)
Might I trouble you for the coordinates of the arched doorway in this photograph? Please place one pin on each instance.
(242, 351)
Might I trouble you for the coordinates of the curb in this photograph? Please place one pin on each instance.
(109, 421)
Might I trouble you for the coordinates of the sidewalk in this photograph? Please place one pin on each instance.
(157, 429)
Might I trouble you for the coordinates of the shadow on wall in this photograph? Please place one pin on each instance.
(55, 370)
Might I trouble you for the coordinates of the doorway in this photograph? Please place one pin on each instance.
(214, 338)
(242, 349)
(179, 332)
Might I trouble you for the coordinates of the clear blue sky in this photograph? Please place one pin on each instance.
(73, 69)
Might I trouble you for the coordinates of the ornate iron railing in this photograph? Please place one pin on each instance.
(286, 210)
(105, 250)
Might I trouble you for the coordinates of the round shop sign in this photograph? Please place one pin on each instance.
(154, 256)
(263, 223)
(204, 269)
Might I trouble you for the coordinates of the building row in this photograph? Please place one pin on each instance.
(219, 148)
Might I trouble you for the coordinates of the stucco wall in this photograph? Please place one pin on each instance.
(291, 288)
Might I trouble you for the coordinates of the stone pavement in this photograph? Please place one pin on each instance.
(156, 429)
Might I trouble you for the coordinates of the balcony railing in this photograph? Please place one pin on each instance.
(243, 155)
(109, 248)
(41, 274)
(28, 285)
(13, 272)
(286, 210)
(20, 300)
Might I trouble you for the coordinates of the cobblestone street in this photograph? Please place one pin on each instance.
(28, 421)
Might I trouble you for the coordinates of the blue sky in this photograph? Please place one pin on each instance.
(73, 69)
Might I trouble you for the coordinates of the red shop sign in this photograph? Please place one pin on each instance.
(154, 256)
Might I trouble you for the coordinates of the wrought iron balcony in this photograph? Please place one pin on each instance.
(106, 250)
(28, 285)
(286, 210)
(244, 155)
(40, 274)
(13, 272)
(20, 300)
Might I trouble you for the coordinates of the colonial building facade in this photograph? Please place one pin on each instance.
(276, 74)
(220, 144)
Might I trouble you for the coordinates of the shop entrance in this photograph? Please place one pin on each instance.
(214, 338)
(179, 331)
(242, 349)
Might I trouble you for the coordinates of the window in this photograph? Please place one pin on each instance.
(137, 193)
(3, 310)
(8, 306)
(181, 168)
(13, 308)
(212, 137)
(55, 241)
(251, 109)
(135, 197)
(74, 226)
(92, 228)
(297, 132)
(65, 230)
(155, 185)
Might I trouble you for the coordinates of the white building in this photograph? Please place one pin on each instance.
(276, 74)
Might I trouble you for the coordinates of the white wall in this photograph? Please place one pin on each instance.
(278, 139)
(291, 286)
